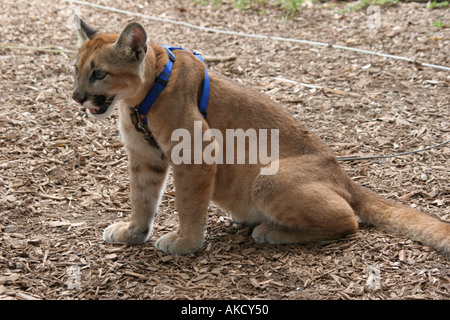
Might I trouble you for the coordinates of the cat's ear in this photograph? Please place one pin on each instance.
(84, 31)
(133, 41)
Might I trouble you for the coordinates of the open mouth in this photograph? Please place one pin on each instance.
(103, 109)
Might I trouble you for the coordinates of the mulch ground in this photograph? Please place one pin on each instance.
(63, 176)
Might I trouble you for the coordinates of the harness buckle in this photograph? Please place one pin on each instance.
(161, 81)
(170, 53)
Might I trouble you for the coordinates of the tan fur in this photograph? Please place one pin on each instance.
(310, 198)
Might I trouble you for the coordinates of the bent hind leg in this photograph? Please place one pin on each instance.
(307, 213)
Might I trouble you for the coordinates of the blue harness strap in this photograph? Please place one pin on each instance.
(204, 98)
(161, 83)
(158, 87)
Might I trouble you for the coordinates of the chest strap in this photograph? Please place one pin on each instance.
(139, 112)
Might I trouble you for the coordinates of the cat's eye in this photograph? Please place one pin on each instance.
(100, 74)
(97, 74)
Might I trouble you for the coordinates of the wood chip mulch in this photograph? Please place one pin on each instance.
(63, 176)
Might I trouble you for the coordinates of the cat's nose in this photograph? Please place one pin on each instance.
(79, 97)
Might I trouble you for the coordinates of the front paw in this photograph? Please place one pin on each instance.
(174, 244)
(124, 232)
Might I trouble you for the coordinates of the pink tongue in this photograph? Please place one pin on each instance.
(93, 111)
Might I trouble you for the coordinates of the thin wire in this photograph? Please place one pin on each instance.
(393, 155)
(256, 36)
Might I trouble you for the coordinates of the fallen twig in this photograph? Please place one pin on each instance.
(393, 155)
(219, 58)
(50, 49)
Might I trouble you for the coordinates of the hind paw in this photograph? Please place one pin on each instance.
(268, 233)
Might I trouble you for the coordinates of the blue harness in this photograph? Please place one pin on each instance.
(138, 113)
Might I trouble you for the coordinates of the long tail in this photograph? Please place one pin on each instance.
(402, 220)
